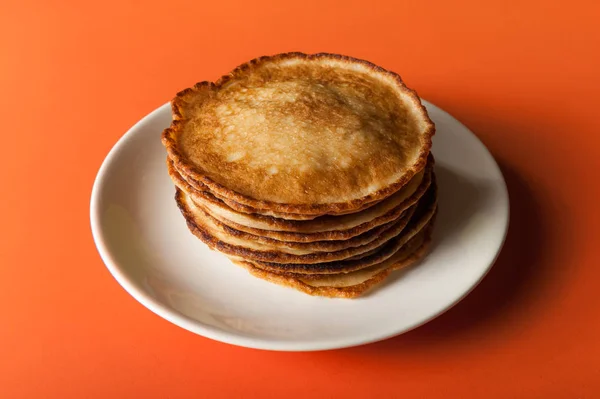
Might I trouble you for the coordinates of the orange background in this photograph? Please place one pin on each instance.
(74, 76)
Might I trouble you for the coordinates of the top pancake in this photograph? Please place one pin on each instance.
(296, 133)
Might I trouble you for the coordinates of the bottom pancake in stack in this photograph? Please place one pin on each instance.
(326, 260)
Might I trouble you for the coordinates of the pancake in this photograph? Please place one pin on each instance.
(423, 216)
(218, 237)
(296, 133)
(352, 284)
(321, 228)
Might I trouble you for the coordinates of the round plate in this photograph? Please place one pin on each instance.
(144, 242)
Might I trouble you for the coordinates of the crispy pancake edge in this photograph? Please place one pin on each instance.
(349, 292)
(421, 219)
(273, 255)
(318, 246)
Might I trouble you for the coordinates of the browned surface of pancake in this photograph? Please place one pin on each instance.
(297, 134)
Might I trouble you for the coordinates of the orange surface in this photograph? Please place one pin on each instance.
(74, 76)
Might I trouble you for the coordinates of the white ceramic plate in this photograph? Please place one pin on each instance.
(144, 242)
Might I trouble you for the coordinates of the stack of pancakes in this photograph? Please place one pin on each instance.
(311, 171)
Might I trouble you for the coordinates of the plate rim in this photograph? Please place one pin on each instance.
(228, 337)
